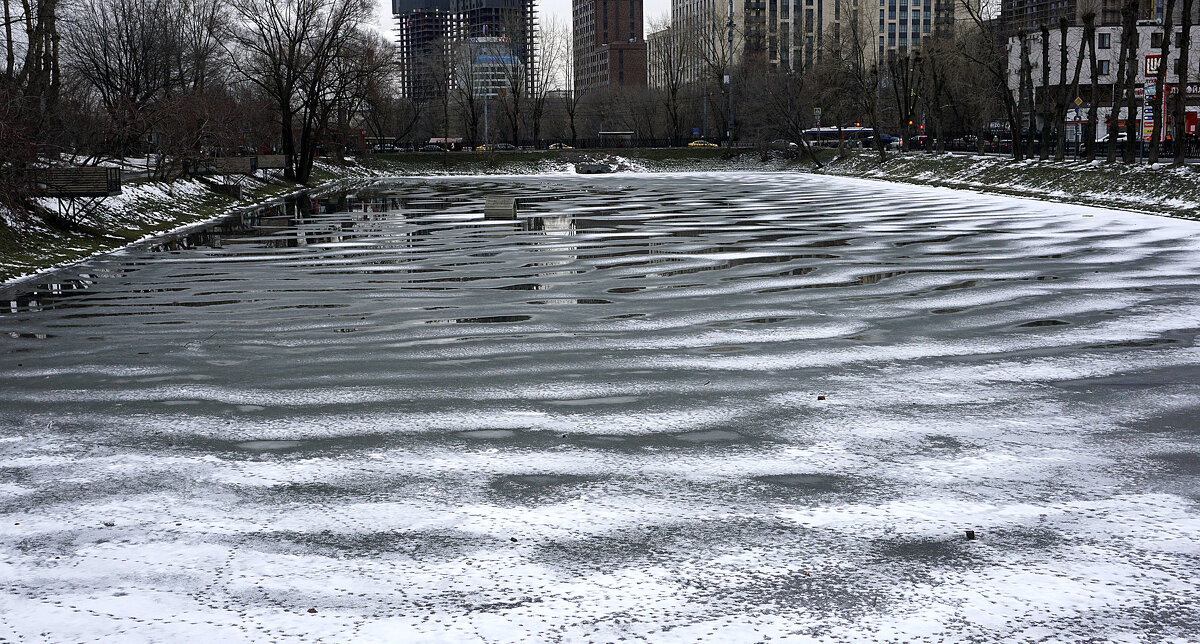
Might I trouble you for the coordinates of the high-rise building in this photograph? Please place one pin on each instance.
(428, 32)
(608, 42)
(908, 24)
(1028, 16)
(793, 34)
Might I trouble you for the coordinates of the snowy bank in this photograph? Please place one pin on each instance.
(1162, 190)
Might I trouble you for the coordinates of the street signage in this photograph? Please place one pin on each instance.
(1193, 90)
(1078, 101)
(1151, 67)
(817, 112)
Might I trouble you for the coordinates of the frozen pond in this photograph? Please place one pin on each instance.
(720, 407)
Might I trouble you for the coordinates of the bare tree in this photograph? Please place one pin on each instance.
(138, 56)
(669, 54)
(709, 35)
(982, 45)
(903, 77)
(1129, 33)
(470, 86)
(29, 93)
(517, 69)
(1159, 86)
(554, 52)
(786, 99)
(288, 48)
(1088, 11)
(1181, 135)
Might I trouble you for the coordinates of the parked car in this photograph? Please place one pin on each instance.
(1003, 146)
(889, 142)
(702, 144)
(783, 144)
(559, 146)
(385, 147)
(921, 142)
(432, 148)
(505, 146)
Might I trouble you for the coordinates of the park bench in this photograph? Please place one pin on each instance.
(70, 183)
(272, 161)
(225, 165)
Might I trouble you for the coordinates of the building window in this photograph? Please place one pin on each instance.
(1156, 40)
(1102, 67)
(1105, 41)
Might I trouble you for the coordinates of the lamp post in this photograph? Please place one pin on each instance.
(729, 81)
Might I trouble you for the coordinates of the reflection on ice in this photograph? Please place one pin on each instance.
(658, 408)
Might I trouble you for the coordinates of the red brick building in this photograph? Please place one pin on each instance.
(610, 47)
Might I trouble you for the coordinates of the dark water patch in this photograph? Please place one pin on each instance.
(923, 551)
(711, 436)
(540, 488)
(957, 285)
(942, 442)
(421, 544)
(811, 483)
(1134, 344)
(1185, 463)
(1040, 323)
(488, 319)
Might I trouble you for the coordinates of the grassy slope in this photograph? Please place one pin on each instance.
(1163, 190)
(144, 209)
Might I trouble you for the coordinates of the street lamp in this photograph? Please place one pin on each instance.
(729, 82)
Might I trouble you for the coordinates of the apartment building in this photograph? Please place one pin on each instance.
(429, 31)
(609, 44)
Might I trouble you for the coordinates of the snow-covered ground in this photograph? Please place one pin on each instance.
(691, 407)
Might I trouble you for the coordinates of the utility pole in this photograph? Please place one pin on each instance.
(729, 81)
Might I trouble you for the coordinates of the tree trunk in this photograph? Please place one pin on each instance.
(1022, 92)
(1181, 135)
(1063, 98)
(1044, 151)
(289, 145)
(1160, 97)
(1118, 89)
(1132, 136)
(1089, 34)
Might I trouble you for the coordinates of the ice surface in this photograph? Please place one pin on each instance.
(664, 408)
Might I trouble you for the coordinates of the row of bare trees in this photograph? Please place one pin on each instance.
(184, 79)
(1061, 45)
(95, 80)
